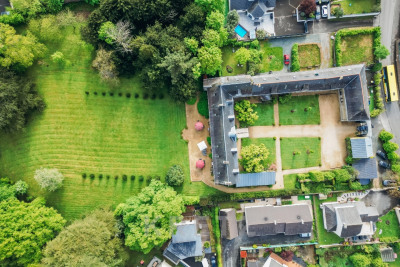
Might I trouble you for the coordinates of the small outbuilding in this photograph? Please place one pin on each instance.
(200, 164)
(202, 147)
(388, 255)
(199, 126)
(361, 147)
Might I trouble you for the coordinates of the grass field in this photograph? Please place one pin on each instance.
(324, 237)
(309, 55)
(356, 7)
(228, 59)
(309, 150)
(357, 49)
(299, 116)
(272, 58)
(95, 134)
(289, 181)
(269, 144)
(265, 112)
(389, 225)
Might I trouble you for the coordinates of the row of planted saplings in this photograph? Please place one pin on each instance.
(129, 95)
(124, 177)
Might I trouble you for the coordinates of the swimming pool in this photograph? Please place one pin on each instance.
(240, 31)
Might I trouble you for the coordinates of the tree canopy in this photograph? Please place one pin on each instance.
(92, 240)
(245, 112)
(25, 229)
(148, 217)
(254, 158)
(381, 52)
(175, 176)
(385, 136)
(49, 179)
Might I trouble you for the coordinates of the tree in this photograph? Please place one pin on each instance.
(390, 147)
(120, 34)
(175, 176)
(193, 21)
(341, 175)
(245, 112)
(385, 136)
(104, 63)
(58, 57)
(7, 191)
(192, 44)
(232, 20)
(381, 52)
(32, 8)
(254, 158)
(360, 260)
(317, 176)
(355, 185)
(215, 20)
(211, 5)
(18, 98)
(149, 216)
(338, 12)
(396, 168)
(377, 262)
(25, 229)
(308, 7)
(46, 28)
(92, 239)
(104, 30)
(242, 55)
(212, 38)
(210, 59)
(18, 51)
(393, 156)
(49, 179)
(21, 188)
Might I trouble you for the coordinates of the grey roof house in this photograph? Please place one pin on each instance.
(272, 220)
(367, 170)
(254, 14)
(185, 243)
(349, 81)
(349, 219)
(229, 229)
(361, 147)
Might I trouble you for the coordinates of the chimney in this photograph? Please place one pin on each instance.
(235, 171)
(275, 222)
(221, 105)
(302, 221)
(225, 162)
(234, 150)
(344, 226)
(231, 117)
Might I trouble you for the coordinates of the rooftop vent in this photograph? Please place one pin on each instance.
(234, 150)
(235, 171)
(225, 162)
(316, 74)
(265, 218)
(231, 117)
(298, 217)
(221, 105)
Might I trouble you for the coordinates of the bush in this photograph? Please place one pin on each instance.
(128, 95)
(12, 19)
(149, 178)
(202, 105)
(245, 112)
(375, 112)
(390, 147)
(255, 44)
(157, 177)
(377, 67)
(295, 66)
(206, 244)
(124, 177)
(175, 176)
(100, 176)
(141, 178)
(136, 95)
(355, 185)
(83, 175)
(385, 136)
(396, 168)
(116, 177)
(285, 98)
(209, 140)
(91, 176)
(119, 94)
(49, 179)
(21, 188)
(217, 234)
(145, 95)
(132, 177)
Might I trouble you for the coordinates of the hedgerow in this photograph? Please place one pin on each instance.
(295, 59)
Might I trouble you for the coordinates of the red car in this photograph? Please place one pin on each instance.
(286, 59)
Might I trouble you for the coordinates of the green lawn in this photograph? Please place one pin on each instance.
(299, 116)
(265, 112)
(324, 237)
(95, 134)
(228, 59)
(269, 144)
(272, 57)
(289, 181)
(389, 225)
(309, 56)
(227, 205)
(355, 6)
(309, 149)
(357, 49)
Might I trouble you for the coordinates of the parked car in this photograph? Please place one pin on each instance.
(286, 59)
(381, 154)
(305, 27)
(389, 182)
(318, 13)
(384, 164)
(324, 11)
(213, 261)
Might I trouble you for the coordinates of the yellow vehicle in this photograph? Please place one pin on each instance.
(390, 83)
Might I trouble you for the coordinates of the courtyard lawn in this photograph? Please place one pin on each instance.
(309, 56)
(269, 144)
(265, 112)
(355, 7)
(272, 57)
(357, 49)
(299, 116)
(289, 181)
(389, 225)
(308, 152)
(324, 237)
(95, 134)
(228, 59)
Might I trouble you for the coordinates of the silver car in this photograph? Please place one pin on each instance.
(325, 11)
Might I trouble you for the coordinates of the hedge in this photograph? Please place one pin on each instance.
(295, 59)
(223, 197)
(379, 106)
(351, 32)
(217, 234)
(202, 105)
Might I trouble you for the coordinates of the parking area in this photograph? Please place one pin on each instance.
(285, 22)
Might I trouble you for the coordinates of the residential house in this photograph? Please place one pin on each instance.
(185, 243)
(272, 220)
(229, 229)
(350, 220)
(364, 163)
(275, 261)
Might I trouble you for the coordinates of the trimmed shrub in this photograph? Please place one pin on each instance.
(175, 176)
(202, 105)
(116, 177)
(285, 98)
(153, 96)
(92, 176)
(145, 95)
(124, 177)
(157, 177)
(396, 168)
(161, 96)
(132, 177)
(136, 95)
(111, 94)
(149, 178)
(390, 147)
(209, 140)
(119, 94)
(87, 93)
(377, 67)
(95, 93)
(84, 175)
(385, 136)
(141, 178)
(128, 95)
(103, 94)
(295, 66)
(100, 176)
(108, 176)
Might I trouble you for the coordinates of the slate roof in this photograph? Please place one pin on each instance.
(350, 219)
(257, 9)
(246, 4)
(387, 255)
(3, 5)
(223, 91)
(361, 147)
(229, 229)
(367, 169)
(272, 220)
(256, 179)
(185, 243)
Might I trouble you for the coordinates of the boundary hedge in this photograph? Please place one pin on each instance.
(217, 234)
(295, 58)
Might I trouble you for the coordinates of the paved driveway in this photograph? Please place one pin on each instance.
(381, 200)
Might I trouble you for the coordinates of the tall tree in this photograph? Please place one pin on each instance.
(242, 55)
(215, 20)
(149, 216)
(104, 63)
(210, 59)
(192, 22)
(175, 176)
(381, 52)
(308, 7)
(18, 98)
(16, 50)
(93, 239)
(25, 229)
(254, 158)
(245, 112)
(49, 179)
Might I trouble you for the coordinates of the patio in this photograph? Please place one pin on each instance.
(266, 22)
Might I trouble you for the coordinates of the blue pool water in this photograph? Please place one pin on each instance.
(240, 31)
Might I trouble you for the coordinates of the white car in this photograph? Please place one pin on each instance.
(324, 11)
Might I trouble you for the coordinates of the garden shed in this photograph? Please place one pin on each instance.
(361, 147)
